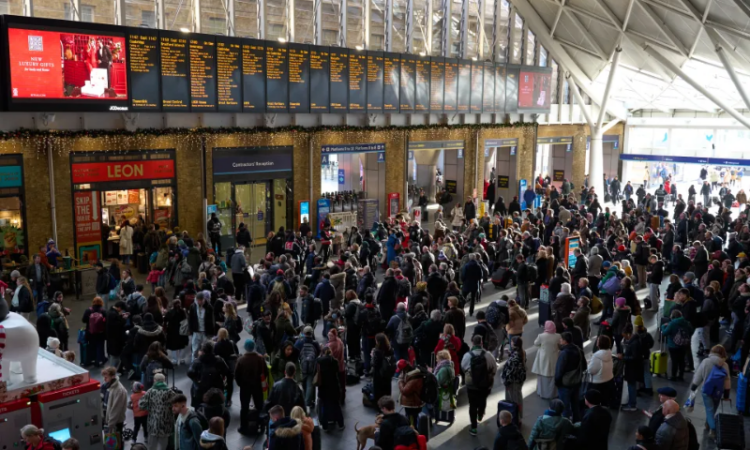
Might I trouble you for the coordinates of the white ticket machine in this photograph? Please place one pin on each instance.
(74, 411)
(14, 415)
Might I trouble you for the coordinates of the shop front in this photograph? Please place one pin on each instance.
(112, 187)
(253, 185)
(435, 168)
(13, 238)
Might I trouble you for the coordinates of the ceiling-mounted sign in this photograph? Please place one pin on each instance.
(555, 140)
(436, 145)
(352, 148)
(500, 142)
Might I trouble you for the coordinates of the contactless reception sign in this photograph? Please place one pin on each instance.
(251, 163)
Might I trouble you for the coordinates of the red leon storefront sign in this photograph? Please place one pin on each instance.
(122, 171)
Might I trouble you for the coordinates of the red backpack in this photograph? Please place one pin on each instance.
(96, 322)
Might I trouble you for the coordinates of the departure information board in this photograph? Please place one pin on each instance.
(437, 81)
(277, 78)
(450, 79)
(229, 74)
(391, 77)
(299, 78)
(55, 65)
(357, 86)
(319, 79)
(144, 70)
(202, 74)
(464, 86)
(408, 75)
(339, 77)
(253, 76)
(375, 68)
(422, 103)
(175, 77)
(477, 83)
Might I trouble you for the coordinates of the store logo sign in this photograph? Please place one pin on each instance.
(125, 171)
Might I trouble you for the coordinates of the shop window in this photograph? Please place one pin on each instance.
(304, 17)
(354, 21)
(331, 18)
(223, 201)
(11, 224)
(87, 13)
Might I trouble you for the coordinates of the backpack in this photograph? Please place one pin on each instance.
(480, 375)
(404, 332)
(371, 326)
(682, 338)
(693, 443)
(96, 322)
(152, 368)
(201, 418)
(405, 436)
(518, 444)
(185, 268)
(208, 377)
(112, 282)
(429, 392)
(490, 343)
(713, 385)
(532, 272)
(612, 286)
(308, 359)
(404, 288)
(494, 315)
(389, 366)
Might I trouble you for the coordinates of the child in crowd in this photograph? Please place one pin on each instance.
(70, 356)
(53, 346)
(140, 416)
(153, 277)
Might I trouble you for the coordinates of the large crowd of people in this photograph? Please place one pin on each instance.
(406, 338)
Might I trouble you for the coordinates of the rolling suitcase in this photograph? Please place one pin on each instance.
(507, 405)
(254, 425)
(423, 425)
(317, 443)
(742, 394)
(730, 431)
(445, 416)
(545, 307)
(659, 361)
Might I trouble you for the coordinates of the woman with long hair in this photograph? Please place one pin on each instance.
(232, 322)
(153, 362)
(308, 426)
(161, 296)
(177, 342)
(546, 360)
(152, 306)
(23, 300)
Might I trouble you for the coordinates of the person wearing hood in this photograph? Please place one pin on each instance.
(508, 436)
(410, 382)
(59, 325)
(673, 434)
(156, 401)
(147, 334)
(716, 388)
(545, 360)
(563, 305)
(287, 353)
(329, 390)
(551, 425)
(213, 438)
(633, 358)
(336, 345)
(426, 336)
(353, 326)
(620, 319)
(206, 372)
(325, 292)
(154, 355)
(212, 405)
(678, 332)
(570, 360)
(593, 429)
(600, 367)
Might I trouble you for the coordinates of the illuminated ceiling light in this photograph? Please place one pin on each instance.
(422, 53)
(359, 48)
(184, 30)
(474, 58)
(282, 40)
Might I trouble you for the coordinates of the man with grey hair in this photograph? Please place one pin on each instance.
(201, 321)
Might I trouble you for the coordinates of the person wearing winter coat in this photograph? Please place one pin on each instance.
(570, 359)
(338, 281)
(285, 393)
(708, 374)
(410, 381)
(213, 438)
(517, 318)
(546, 360)
(593, 429)
(514, 374)
(563, 305)
(160, 423)
(600, 367)
(455, 316)
(329, 390)
(59, 325)
(677, 329)
(551, 426)
(633, 358)
(654, 279)
(148, 333)
(508, 435)
(581, 317)
(308, 426)
(287, 353)
(206, 372)
(673, 434)
(176, 342)
(116, 400)
(446, 375)
(154, 354)
(620, 319)
(250, 371)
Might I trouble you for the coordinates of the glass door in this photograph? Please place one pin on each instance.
(252, 208)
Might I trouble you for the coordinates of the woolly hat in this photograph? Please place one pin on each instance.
(638, 322)
(620, 302)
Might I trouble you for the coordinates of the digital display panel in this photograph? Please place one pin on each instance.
(450, 90)
(175, 77)
(319, 79)
(202, 74)
(299, 78)
(534, 89)
(253, 76)
(408, 76)
(488, 92)
(339, 78)
(437, 82)
(357, 87)
(422, 78)
(391, 77)
(477, 81)
(277, 78)
(229, 74)
(375, 68)
(464, 86)
(511, 89)
(143, 48)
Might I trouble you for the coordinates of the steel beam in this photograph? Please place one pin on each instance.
(463, 30)
(496, 15)
(575, 46)
(480, 32)
(120, 12)
(446, 33)
(290, 28)
(366, 15)
(553, 28)
(409, 38)
(75, 9)
(428, 27)
(664, 27)
(229, 9)
(195, 12)
(697, 86)
(742, 5)
(318, 22)
(607, 90)
(261, 10)
(342, 23)
(586, 36)
(161, 19)
(28, 8)
(729, 67)
(388, 26)
(579, 98)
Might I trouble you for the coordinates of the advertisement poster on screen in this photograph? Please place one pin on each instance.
(304, 211)
(521, 189)
(571, 244)
(87, 225)
(324, 207)
(393, 204)
(534, 90)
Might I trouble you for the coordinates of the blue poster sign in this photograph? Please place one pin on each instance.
(10, 176)
(304, 211)
(513, 151)
(521, 189)
(324, 207)
(486, 152)
(381, 157)
(342, 176)
(568, 148)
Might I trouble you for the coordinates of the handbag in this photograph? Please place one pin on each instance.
(316, 378)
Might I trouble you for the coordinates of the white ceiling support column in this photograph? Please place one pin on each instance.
(427, 28)
(608, 89)
(75, 9)
(609, 125)
(409, 38)
(161, 20)
(261, 11)
(28, 8)
(497, 13)
(318, 22)
(579, 98)
(120, 12)
(196, 15)
(557, 18)
(729, 67)
(388, 26)
(445, 46)
(342, 23)
(696, 85)
(366, 17)
(290, 28)
(480, 25)
(463, 30)
(744, 6)
(229, 9)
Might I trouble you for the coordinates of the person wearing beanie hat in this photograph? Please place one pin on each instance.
(638, 321)
(620, 318)
(593, 430)
(253, 378)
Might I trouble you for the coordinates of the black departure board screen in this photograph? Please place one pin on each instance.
(253, 76)
(299, 78)
(202, 73)
(339, 68)
(375, 68)
(175, 78)
(357, 82)
(500, 89)
(450, 90)
(511, 89)
(229, 74)
(477, 80)
(408, 76)
(437, 82)
(464, 86)
(391, 77)
(319, 79)
(488, 93)
(143, 46)
(277, 78)
(422, 103)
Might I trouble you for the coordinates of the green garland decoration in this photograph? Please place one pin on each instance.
(25, 133)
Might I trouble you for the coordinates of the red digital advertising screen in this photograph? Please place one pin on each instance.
(61, 66)
(534, 91)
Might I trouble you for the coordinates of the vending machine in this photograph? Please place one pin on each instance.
(14, 415)
(74, 411)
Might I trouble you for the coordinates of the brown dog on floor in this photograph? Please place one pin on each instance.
(368, 432)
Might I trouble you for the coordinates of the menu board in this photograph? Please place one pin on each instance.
(500, 88)
(175, 80)
(464, 86)
(511, 89)
(534, 89)
(143, 46)
(408, 76)
(391, 77)
(488, 92)
(422, 78)
(450, 91)
(357, 87)
(477, 82)
(299, 78)
(277, 78)
(318, 79)
(253, 76)
(203, 74)
(375, 68)
(437, 84)
(229, 74)
(339, 78)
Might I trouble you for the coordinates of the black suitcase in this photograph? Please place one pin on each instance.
(445, 416)
(545, 312)
(501, 277)
(512, 408)
(317, 445)
(142, 263)
(730, 431)
(423, 425)
(617, 395)
(254, 425)
(354, 371)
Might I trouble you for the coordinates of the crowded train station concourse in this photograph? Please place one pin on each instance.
(374, 224)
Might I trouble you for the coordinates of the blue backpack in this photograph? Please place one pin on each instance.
(713, 385)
